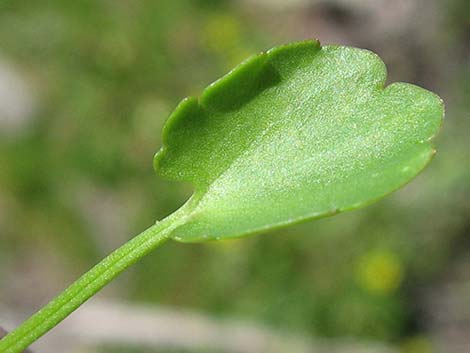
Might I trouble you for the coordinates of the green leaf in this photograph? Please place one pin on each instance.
(296, 133)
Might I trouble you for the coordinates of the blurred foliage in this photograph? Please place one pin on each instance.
(106, 75)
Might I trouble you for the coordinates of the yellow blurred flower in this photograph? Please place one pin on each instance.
(222, 35)
(380, 272)
(418, 344)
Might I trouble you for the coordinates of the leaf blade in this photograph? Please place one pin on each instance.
(323, 136)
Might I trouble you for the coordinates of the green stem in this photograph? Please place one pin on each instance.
(87, 285)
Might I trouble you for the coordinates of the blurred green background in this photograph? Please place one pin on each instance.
(85, 87)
